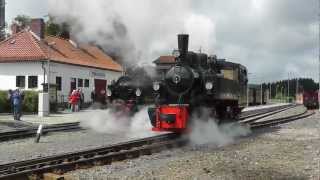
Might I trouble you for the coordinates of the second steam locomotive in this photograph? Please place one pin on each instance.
(195, 81)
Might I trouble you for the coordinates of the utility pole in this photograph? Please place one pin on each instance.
(297, 86)
(319, 53)
(247, 95)
(269, 92)
(261, 94)
(288, 88)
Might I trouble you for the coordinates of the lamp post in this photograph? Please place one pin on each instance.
(50, 45)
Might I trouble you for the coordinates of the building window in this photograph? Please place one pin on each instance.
(20, 81)
(86, 83)
(80, 82)
(32, 81)
(58, 83)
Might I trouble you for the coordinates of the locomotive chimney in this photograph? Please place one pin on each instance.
(183, 40)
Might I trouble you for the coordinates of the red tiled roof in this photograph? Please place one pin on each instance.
(25, 46)
(165, 60)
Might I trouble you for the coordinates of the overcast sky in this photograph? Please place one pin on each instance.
(271, 37)
(32, 8)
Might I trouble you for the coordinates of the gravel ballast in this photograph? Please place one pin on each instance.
(289, 151)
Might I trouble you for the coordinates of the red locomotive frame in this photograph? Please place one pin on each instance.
(172, 118)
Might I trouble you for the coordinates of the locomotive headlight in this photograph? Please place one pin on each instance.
(138, 92)
(109, 92)
(156, 86)
(209, 85)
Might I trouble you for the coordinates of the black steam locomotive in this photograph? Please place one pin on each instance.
(195, 81)
(130, 90)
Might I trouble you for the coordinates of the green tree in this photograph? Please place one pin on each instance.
(56, 29)
(52, 28)
(22, 21)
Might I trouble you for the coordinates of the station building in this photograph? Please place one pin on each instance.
(27, 56)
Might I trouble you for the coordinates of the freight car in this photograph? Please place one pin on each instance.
(254, 95)
(193, 82)
(308, 99)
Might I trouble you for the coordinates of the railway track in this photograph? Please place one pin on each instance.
(255, 113)
(260, 115)
(31, 131)
(108, 154)
(276, 121)
(99, 156)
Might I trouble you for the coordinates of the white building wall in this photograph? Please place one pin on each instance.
(9, 71)
(66, 72)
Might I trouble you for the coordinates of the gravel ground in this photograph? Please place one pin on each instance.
(290, 151)
(60, 142)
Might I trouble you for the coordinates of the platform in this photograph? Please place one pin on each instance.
(55, 118)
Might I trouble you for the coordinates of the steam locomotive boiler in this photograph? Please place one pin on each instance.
(195, 81)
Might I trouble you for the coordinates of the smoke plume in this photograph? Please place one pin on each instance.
(134, 31)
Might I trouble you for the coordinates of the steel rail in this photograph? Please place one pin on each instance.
(27, 132)
(103, 155)
(31, 131)
(253, 113)
(107, 154)
(272, 122)
(266, 114)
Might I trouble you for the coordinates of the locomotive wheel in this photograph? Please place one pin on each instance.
(215, 115)
(221, 112)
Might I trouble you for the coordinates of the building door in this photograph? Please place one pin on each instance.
(73, 84)
(100, 89)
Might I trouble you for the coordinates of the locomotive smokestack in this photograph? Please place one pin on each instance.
(183, 40)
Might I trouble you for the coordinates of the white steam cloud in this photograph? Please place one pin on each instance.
(135, 31)
(112, 122)
(206, 131)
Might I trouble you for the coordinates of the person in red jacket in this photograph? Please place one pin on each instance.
(73, 100)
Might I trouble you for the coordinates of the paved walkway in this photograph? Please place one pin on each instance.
(64, 117)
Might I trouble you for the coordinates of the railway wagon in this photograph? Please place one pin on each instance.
(308, 98)
(255, 95)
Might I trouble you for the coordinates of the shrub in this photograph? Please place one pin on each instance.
(4, 102)
(30, 102)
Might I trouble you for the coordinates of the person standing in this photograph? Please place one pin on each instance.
(81, 98)
(17, 102)
(9, 97)
(93, 96)
(73, 100)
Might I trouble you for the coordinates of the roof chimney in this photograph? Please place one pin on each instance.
(15, 28)
(38, 27)
(65, 31)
